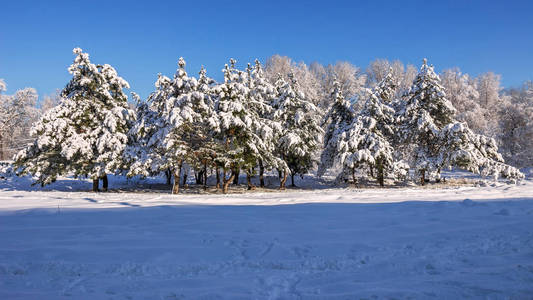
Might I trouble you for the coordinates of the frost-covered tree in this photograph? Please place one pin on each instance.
(349, 77)
(174, 127)
(307, 80)
(338, 119)
(50, 101)
(367, 143)
(516, 126)
(490, 100)
(260, 99)
(17, 113)
(426, 111)
(87, 132)
(3, 86)
(239, 135)
(403, 76)
(438, 141)
(459, 146)
(462, 91)
(301, 131)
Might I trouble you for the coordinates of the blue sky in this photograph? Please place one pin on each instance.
(141, 39)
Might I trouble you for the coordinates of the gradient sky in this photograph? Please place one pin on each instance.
(143, 39)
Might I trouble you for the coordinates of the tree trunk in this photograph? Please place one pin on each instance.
(1, 148)
(199, 176)
(205, 176)
(217, 171)
(423, 177)
(353, 177)
(261, 174)
(95, 185)
(105, 183)
(292, 180)
(227, 181)
(168, 175)
(236, 173)
(381, 176)
(283, 180)
(249, 180)
(371, 172)
(177, 177)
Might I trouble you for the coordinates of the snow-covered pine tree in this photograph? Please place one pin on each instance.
(174, 127)
(241, 144)
(427, 111)
(367, 142)
(86, 133)
(138, 153)
(461, 147)
(438, 140)
(260, 99)
(339, 117)
(302, 134)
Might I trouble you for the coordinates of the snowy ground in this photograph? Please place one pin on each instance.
(344, 243)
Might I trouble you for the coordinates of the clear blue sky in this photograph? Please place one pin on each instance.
(143, 39)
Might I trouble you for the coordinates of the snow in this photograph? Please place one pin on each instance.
(61, 242)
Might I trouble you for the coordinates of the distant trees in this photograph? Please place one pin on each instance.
(17, 112)
(285, 116)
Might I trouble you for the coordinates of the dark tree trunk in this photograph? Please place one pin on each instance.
(261, 174)
(177, 177)
(371, 172)
(353, 177)
(199, 176)
(205, 176)
(381, 176)
(168, 174)
(292, 180)
(217, 171)
(423, 177)
(283, 180)
(236, 173)
(95, 185)
(1, 148)
(251, 186)
(105, 183)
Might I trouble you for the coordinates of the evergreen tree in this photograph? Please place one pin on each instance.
(240, 142)
(461, 147)
(438, 140)
(427, 111)
(175, 127)
(87, 132)
(260, 99)
(338, 119)
(367, 142)
(301, 132)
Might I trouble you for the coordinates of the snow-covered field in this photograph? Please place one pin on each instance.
(396, 243)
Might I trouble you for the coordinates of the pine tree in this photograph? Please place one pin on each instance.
(338, 119)
(367, 142)
(301, 132)
(427, 111)
(174, 127)
(239, 124)
(87, 132)
(260, 99)
(461, 147)
(438, 140)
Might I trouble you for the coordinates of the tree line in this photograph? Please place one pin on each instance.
(283, 117)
